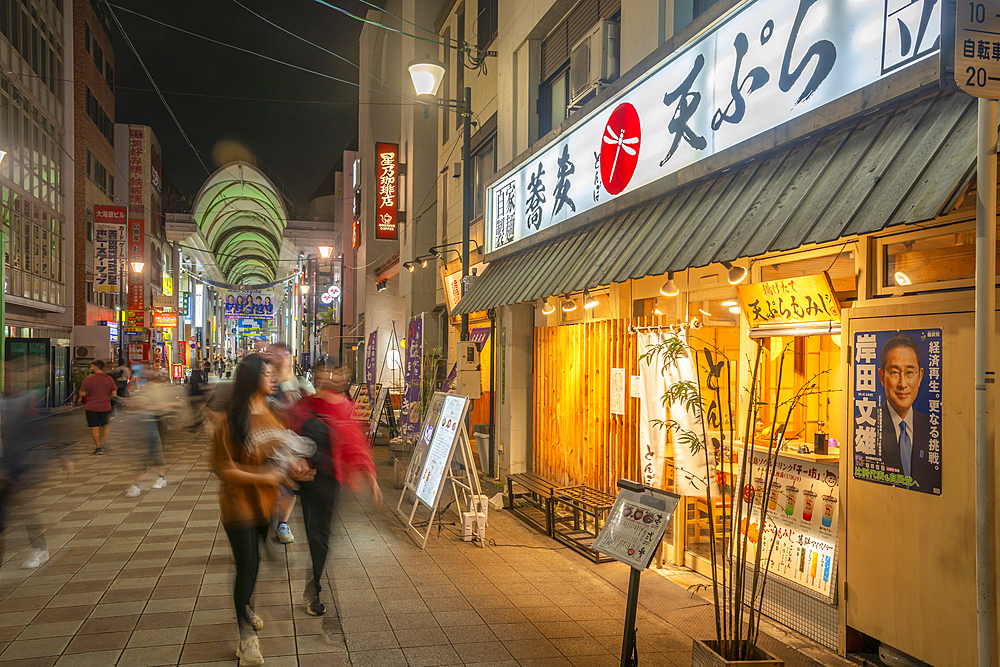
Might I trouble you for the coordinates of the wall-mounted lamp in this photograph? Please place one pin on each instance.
(137, 266)
(409, 266)
(548, 308)
(568, 305)
(589, 301)
(737, 274)
(423, 262)
(381, 285)
(669, 288)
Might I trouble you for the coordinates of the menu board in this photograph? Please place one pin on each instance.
(423, 442)
(442, 444)
(635, 526)
(802, 519)
(363, 402)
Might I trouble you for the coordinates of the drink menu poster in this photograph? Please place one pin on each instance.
(442, 445)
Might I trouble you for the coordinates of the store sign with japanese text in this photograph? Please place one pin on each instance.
(409, 412)
(897, 408)
(135, 169)
(387, 197)
(766, 63)
(801, 519)
(110, 247)
(162, 318)
(802, 300)
(136, 281)
(453, 284)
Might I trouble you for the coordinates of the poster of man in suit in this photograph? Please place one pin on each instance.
(897, 408)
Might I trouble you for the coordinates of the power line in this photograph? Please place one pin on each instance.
(386, 27)
(160, 94)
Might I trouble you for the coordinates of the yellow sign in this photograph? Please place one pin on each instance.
(168, 285)
(804, 300)
(164, 319)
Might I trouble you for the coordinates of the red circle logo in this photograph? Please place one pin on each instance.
(620, 148)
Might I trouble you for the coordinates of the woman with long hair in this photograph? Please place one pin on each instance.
(252, 455)
(342, 457)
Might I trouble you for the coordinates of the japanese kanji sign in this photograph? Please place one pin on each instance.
(413, 376)
(387, 193)
(635, 526)
(136, 155)
(109, 247)
(977, 48)
(897, 408)
(767, 62)
(136, 283)
(803, 300)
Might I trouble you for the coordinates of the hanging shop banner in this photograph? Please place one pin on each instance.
(184, 305)
(802, 300)
(371, 361)
(387, 200)
(765, 63)
(329, 303)
(897, 408)
(162, 318)
(413, 378)
(258, 303)
(453, 284)
(110, 247)
(479, 336)
(136, 281)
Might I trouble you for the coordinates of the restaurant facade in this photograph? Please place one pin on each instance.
(782, 177)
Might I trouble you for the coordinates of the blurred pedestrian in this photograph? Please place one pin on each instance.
(342, 457)
(155, 405)
(98, 389)
(198, 396)
(252, 455)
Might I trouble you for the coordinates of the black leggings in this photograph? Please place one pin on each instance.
(318, 500)
(245, 542)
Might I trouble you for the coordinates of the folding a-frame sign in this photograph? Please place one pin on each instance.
(441, 437)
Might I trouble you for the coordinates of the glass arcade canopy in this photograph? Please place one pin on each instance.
(241, 216)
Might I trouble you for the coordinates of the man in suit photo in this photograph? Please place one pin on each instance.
(905, 431)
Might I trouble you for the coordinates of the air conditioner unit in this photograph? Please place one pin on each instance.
(85, 352)
(594, 60)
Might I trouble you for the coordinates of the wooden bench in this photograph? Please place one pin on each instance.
(537, 493)
(578, 514)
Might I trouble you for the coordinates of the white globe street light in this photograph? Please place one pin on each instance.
(427, 75)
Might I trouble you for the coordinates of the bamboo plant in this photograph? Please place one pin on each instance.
(739, 570)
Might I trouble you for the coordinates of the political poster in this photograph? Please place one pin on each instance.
(413, 376)
(255, 303)
(897, 408)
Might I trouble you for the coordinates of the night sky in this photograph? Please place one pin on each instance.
(296, 139)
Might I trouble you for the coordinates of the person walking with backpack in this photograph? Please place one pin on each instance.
(342, 457)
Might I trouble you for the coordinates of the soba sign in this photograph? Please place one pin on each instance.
(767, 62)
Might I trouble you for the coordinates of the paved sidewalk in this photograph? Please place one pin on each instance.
(147, 581)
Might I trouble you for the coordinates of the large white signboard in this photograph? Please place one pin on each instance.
(439, 452)
(768, 62)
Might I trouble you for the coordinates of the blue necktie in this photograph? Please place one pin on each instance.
(905, 448)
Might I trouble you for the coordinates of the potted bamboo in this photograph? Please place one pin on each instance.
(739, 563)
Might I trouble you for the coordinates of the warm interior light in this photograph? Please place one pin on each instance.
(901, 278)
(705, 312)
(777, 347)
(730, 303)
(137, 266)
(836, 339)
(548, 308)
(423, 263)
(656, 311)
(568, 305)
(409, 266)
(669, 288)
(3, 154)
(325, 251)
(305, 289)
(735, 310)
(426, 75)
(737, 274)
(589, 301)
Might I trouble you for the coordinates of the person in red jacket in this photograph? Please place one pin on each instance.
(342, 457)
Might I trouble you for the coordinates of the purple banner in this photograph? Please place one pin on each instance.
(371, 363)
(410, 409)
(479, 336)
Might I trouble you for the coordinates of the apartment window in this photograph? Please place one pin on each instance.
(100, 117)
(554, 98)
(486, 23)
(100, 175)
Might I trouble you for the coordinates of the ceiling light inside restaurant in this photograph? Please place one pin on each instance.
(568, 305)
(705, 312)
(548, 308)
(730, 303)
(589, 301)
(737, 274)
(735, 310)
(901, 278)
(669, 288)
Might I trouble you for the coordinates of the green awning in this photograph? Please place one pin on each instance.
(903, 165)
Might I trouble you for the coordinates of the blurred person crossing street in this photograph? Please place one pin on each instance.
(98, 388)
(156, 406)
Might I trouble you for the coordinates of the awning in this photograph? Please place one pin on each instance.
(903, 165)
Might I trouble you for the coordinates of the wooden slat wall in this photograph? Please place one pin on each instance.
(576, 438)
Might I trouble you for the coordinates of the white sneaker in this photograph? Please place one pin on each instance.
(160, 482)
(38, 557)
(132, 491)
(249, 652)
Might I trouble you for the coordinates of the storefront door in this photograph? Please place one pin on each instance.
(29, 368)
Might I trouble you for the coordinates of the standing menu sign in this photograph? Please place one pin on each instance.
(802, 518)
(636, 524)
(897, 408)
(442, 446)
(363, 402)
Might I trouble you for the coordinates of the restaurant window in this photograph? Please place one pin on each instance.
(838, 263)
(943, 258)
(486, 23)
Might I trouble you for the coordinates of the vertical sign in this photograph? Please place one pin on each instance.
(413, 376)
(199, 305)
(386, 204)
(371, 361)
(976, 51)
(109, 247)
(356, 234)
(135, 181)
(136, 282)
(897, 408)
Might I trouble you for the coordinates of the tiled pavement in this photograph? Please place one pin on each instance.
(147, 581)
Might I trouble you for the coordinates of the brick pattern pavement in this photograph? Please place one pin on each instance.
(147, 581)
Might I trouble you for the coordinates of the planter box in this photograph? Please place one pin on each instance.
(703, 654)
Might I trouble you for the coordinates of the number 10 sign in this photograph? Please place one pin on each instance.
(976, 31)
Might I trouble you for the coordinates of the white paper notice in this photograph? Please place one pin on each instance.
(617, 391)
(635, 386)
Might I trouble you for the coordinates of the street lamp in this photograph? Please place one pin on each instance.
(325, 251)
(427, 75)
(137, 266)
